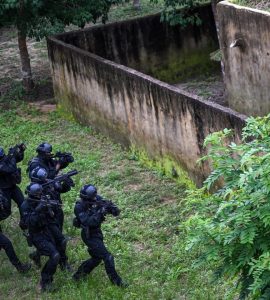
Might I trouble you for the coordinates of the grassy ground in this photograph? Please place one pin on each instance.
(126, 10)
(147, 239)
(258, 4)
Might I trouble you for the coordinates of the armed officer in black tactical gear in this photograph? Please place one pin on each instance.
(46, 160)
(90, 212)
(5, 243)
(51, 163)
(10, 174)
(35, 214)
(55, 223)
(54, 191)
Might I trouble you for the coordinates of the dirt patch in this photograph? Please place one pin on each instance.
(10, 65)
(47, 108)
(167, 200)
(44, 107)
(139, 247)
(132, 187)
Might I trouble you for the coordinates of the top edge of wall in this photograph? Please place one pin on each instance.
(131, 20)
(244, 8)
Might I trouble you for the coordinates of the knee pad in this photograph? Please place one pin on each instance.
(56, 257)
(109, 259)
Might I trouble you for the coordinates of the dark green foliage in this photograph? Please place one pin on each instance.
(233, 225)
(39, 18)
(181, 12)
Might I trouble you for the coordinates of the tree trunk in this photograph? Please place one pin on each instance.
(24, 56)
(137, 4)
(25, 62)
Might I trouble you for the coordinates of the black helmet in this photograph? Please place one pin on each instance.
(39, 175)
(2, 153)
(88, 192)
(45, 148)
(34, 190)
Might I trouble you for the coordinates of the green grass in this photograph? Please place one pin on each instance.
(147, 240)
(259, 4)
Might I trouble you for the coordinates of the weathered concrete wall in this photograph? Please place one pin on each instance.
(247, 67)
(134, 108)
(153, 47)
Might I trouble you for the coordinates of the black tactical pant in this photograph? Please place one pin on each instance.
(59, 241)
(98, 252)
(15, 194)
(59, 216)
(6, 244)
(45, 246)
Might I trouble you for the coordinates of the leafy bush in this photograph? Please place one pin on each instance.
(232, 230)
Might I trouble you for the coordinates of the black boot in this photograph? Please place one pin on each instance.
(46, 287)
(78, 276)
(23, 268)
(119, 282)
(35, 258)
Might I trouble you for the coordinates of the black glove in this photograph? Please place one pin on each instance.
(102, 210)
(69, 182)
(115, 211)
(64, 158)
(22, 147)
(42, 206)
(57, 186)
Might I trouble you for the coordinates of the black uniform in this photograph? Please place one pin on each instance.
(52, 225)
(90, 218)
(55, 222)
(6, 244)
(41, 237)
(54, 192)
(50, 165)
(10, 176)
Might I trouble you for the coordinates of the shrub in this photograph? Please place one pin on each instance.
(232, 226)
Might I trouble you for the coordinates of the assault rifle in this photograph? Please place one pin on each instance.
(103, 206)
(107, 207)
(59, 178)
(64, 157)
(17, 149)
(47, 203)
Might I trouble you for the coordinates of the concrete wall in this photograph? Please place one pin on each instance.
(153, 47)
(134, 108)
(247, 67)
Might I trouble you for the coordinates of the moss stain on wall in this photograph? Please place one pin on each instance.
(184, 65)
(166, 165)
